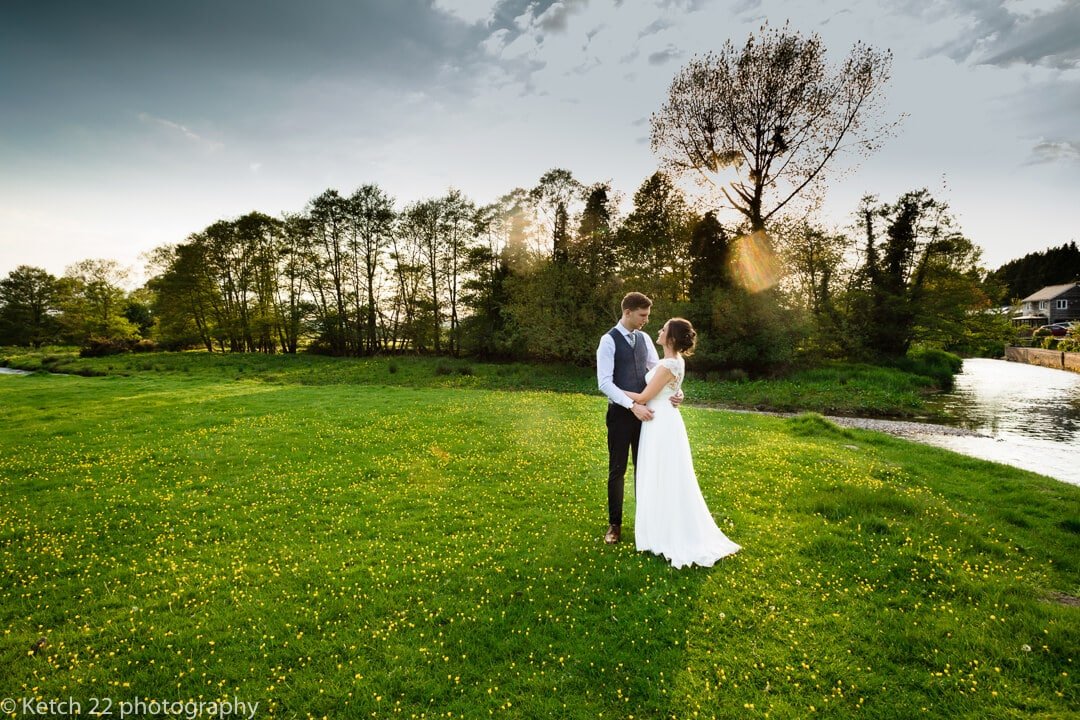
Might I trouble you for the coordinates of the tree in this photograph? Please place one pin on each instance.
(817, 270)
(259, 239)
(710, 253)
(139, 311)
(484, 292)
(295, 260)
(1024, 276)
(28, 307)
(814, 260)
(594, 250)
(459, 229)
(185, 300)
(372, 215)
(921, 282)
(93, 302)
(422, 232)
(654, 241)
(329, 217)
(774, 108)
(553, 195)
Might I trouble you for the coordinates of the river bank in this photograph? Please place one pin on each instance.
(1017, 414)
(1054, 359)
(1050, 459)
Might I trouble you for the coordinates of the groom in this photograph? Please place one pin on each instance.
(623, 357)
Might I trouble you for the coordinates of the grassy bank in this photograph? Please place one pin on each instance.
(356, 550)
(833, 389)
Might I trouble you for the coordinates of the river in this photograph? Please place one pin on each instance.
(1024, 415)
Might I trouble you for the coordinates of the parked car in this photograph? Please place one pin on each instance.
(1058, 329)
(1054, 330)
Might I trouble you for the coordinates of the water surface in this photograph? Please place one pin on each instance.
(1029, 415)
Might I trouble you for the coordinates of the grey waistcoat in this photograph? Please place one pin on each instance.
(629, 361)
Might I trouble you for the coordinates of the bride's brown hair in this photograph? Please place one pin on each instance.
(682, 334)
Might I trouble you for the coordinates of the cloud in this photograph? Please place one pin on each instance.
(655, 27)
(1051, 39)
(690, 5)
(666, 55)
(838, 13)
(471, 11)
(1048, 151)
(554, 18)
(996, 35)
(181, 129)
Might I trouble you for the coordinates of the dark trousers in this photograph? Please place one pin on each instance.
(623, 431)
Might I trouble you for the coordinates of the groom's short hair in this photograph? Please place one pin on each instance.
(635, 301)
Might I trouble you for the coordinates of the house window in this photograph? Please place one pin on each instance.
(1063, 304)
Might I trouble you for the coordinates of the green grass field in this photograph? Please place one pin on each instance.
(832, 388)
(333, 549)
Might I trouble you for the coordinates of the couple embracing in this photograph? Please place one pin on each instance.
(644, 392)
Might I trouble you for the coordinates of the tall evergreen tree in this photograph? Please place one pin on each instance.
(1027, 275)
(654, 241)
(710, 253)
(594, 249)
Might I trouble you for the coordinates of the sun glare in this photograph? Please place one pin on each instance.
(754, 264)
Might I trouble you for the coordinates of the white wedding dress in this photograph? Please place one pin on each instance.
(671, 518)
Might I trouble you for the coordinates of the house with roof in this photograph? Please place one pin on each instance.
(1052, 304)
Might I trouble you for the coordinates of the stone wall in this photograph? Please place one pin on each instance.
(1047, 358)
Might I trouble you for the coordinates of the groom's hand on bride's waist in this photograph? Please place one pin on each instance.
(641, 412)
(677, 398)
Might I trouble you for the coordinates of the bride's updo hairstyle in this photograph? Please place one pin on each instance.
(682, 335)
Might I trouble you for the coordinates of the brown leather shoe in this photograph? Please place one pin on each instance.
(614, 534)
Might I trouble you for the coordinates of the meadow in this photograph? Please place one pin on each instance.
(838, 388)
(272, 530)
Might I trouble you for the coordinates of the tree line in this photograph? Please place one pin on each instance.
(538, 273)
(1025, 276)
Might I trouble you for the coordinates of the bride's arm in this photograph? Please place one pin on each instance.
(660, 378)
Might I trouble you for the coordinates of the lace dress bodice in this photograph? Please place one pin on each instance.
(677, 366)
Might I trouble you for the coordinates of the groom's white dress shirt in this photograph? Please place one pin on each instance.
(605, 364)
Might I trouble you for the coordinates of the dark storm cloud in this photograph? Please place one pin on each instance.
(1051, 39)
(94, 59)
(1001, 37)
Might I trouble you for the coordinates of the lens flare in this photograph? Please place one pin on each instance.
(754, 265)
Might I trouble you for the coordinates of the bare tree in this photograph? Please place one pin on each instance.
(774, 107)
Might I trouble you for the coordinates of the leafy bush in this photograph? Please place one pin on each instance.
(102, 346)
(933, 363)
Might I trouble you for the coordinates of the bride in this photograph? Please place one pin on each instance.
(672, 518)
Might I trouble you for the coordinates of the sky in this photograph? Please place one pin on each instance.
(129, 125)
